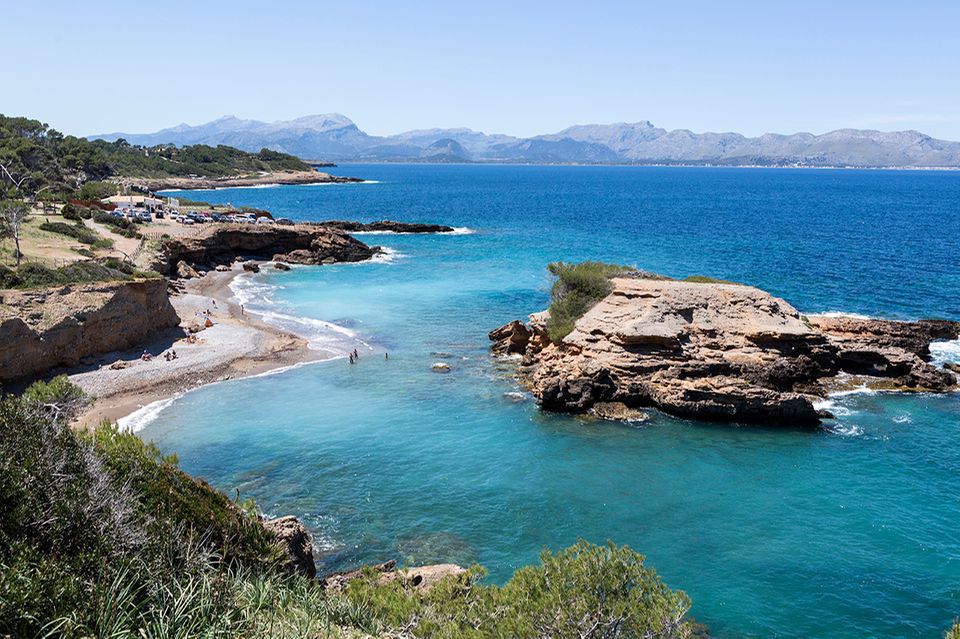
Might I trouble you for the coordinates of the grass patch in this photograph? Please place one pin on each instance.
(578, 287)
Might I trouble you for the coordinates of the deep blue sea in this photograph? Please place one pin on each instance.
(850, 530)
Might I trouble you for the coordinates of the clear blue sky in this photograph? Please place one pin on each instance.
(513, 67)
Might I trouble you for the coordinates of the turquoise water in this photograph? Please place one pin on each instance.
(846, 531)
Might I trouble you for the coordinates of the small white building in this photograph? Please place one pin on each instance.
(146, 202)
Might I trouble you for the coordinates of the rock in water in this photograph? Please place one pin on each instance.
(295, 538)
(714, 351)
(218, 244)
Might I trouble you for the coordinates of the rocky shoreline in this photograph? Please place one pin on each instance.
(258, 179)
(220, 245)
(718, 352)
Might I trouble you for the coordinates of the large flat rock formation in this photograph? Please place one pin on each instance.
(716, 351)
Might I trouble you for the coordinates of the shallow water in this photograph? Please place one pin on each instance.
(846, 531)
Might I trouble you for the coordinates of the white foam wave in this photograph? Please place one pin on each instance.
(844, 430)
(387, 256)
(341, 183)
(457, 230)
(139, 418)
(840, 314)
(945, 352)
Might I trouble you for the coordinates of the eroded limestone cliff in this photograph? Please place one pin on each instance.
(716, 351)
(47, 328)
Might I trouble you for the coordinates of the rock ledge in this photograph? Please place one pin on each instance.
(716, 351)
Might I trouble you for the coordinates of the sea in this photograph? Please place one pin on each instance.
(850, 530)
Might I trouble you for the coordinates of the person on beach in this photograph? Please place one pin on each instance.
(386, 355)
(350, 356)
(356, 355)
(241, 309)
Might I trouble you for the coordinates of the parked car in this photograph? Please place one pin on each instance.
(264, 220)
(284, 221)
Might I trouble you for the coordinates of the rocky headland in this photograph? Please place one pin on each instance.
(256, 179)
(716, 351)
(221, 244)
(48, 328)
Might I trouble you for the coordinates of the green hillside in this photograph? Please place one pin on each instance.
(57, 164)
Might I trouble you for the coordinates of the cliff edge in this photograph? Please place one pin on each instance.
(46, 328)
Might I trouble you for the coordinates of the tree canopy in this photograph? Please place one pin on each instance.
(59, 165)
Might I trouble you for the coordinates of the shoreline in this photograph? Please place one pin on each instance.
(238, 345)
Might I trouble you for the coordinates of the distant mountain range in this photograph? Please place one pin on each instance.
(334, 137)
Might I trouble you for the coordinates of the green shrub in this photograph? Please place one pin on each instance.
(583, 591)
(32, 275)
(77, 231)
(954, 632)
(70, 212)
(577, 289)
(59, 393)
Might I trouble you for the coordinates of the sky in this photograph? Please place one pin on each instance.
(521, 68)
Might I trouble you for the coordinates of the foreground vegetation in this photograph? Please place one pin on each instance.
(103, 536)
(59, 165)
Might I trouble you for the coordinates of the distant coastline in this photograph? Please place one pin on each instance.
(274, 178)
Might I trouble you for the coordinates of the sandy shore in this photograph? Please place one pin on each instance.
(237, 345)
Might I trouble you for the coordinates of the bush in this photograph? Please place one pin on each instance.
(77, 231)
(70, 212)
(33, 275)
(583, 591)
(577, 289)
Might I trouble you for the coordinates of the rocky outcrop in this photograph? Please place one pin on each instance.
(295, 539)
(386, 226)
(221, 244)
(715, 351)
(420, 578)
(45, 329)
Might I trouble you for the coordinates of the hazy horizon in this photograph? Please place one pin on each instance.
(520, 70)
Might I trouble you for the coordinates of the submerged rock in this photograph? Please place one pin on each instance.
(714, 351)
(440, 367)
